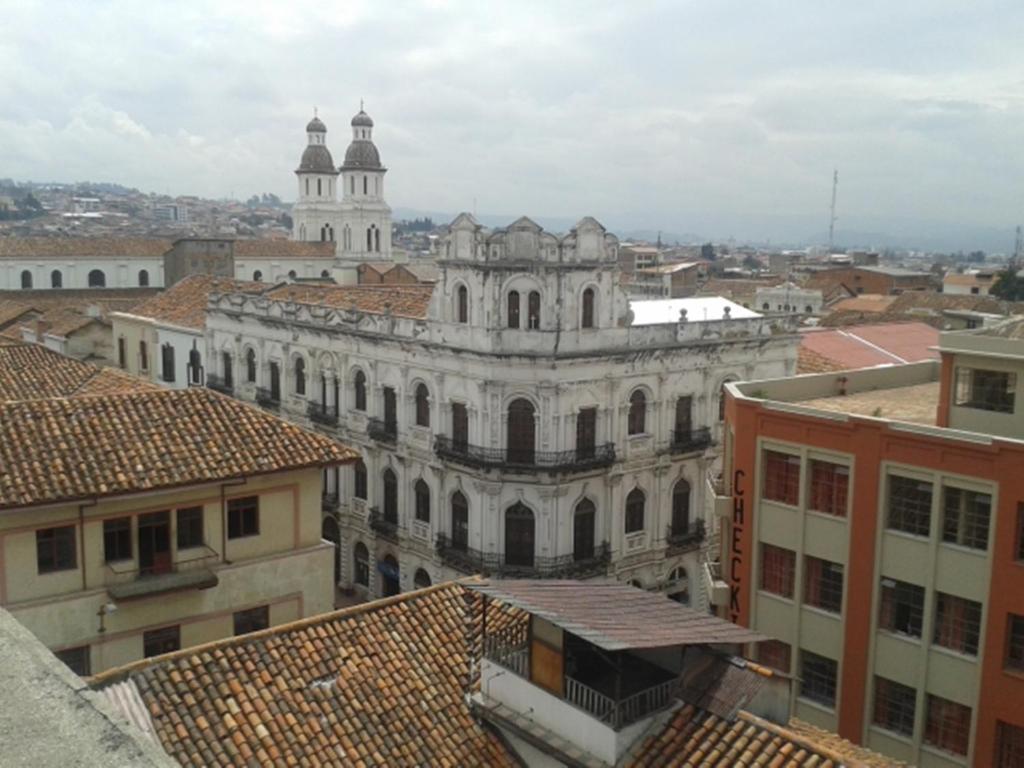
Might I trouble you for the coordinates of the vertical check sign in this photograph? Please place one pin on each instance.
(736, 549)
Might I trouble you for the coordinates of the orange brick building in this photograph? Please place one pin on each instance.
(873, 280)
(874, 525)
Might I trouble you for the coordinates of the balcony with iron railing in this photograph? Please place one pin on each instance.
(382, 431)
(688, 441)
(127, 580)
(382, 526)
(267, 398)
(593, 562)
(325, 415)
(524, 459)
(219, 384)
(685, 538)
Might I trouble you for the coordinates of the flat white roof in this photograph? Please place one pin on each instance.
(698, 309)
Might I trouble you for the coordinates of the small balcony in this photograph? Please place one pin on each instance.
(128, 580)
(524, 460)
(387, 529)
(689, 441)
(472, 561)
(218, 384)
(382, 431)
(685, 539)
(267, 398)
(716, 588)
(324, 415)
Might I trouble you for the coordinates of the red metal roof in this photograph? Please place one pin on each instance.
(864, 346)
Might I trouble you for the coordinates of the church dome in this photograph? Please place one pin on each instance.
(362, 120)
(316, 158)
(316, 125)
(362, 155)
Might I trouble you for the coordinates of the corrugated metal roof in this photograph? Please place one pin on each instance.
(615, 616)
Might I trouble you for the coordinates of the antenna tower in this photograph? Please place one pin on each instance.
(832, 211)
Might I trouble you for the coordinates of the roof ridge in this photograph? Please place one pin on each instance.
(117, 674)
(801, 739)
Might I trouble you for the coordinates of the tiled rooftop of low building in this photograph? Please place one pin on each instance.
(82, 247)
(66, 449)
(399, 300)
(916, 403)
(284, 249)
(184, 303)
(33, 372)
(866, 345)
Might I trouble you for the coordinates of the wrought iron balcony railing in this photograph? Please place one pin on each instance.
(687, 538)
(575, 460)
(381, 431)
(692, 440)
(129, 580)
(472, 561)
(267, 398)
(319, 413)
(380, 525)
(217, 383)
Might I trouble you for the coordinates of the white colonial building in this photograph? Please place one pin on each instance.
(360, 223)
(516, 418)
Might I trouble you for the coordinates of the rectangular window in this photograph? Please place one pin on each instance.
(830, 484)
(163, 640)
(774, 654)
(910, 505)
(894, 706)
(901, 608)
(76, 659)
(778, 570)
(117, 539)
(948, 725)
(957, 623)
(167, 362)
(823, 584)
(227, 365)
(244, 517)
(818, 678)
(985, 390)
(252, 620)
(781, 474)
(1009, 745)
(122, 353)
(1015, 642)
(55, 549)
(586, 432)
(965, 516)
(143, 357)
(190, 527)
(1019, 543)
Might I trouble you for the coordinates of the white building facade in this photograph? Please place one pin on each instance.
(521, 425)
(788, 297)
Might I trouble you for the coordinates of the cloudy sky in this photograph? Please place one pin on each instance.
(721, 117)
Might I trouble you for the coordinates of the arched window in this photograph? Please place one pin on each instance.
(765, 306)
(635, 503)
(275, 382)
(56, 279)
(292, 274)
(26, 279)
(167, 362)
(97, 279)
(324, 273)
(584, 521)
(388, 568)
(360, 387)
(390, 496)
(519, 536)
(533, 311)
(681, 508)
(143, 278)
(359, 480)
(462, 304)
(422, 406)
(521, 432)
(362, 565)
(513, 309)
(809, 309)
(637, 412)
(307, 186)
(319, 187)
(365, 187)
(195, 366)
(460, 521)
(352, 184)
(376, 240)
(369, 239)
(257, 276)
(250, 365)
(587, 318)
(300, 376)
(422, 493)
(421, 580)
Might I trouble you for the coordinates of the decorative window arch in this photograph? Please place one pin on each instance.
(359, 484)
(421, 580)
(362, 565)
(26, 279)
(143, 278)
(422, 405)
(460, 521)
(97, 279)
(765, 306)
(422, 493)
(250, 365)
(636, 503)
(324, 273)
(390, 480)
(257, 276)
(462, 304)
(587, 309)
(300, 376)
(584, 525)
(513, 309)
(637, 423)
(359, 385)
(521, 439)
(292, 274)
(519, 535)
(680, 508)
(533, 310)
(56, 279)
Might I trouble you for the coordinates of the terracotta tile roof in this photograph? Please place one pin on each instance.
(33, 372)
(80, 299)
(61, 322)
(184, 303)
(12, 311)
(82, 447)
(283, 249)
(867, 302)
(82, 247)
(400, 300)
(374, 685)
(864, 346)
